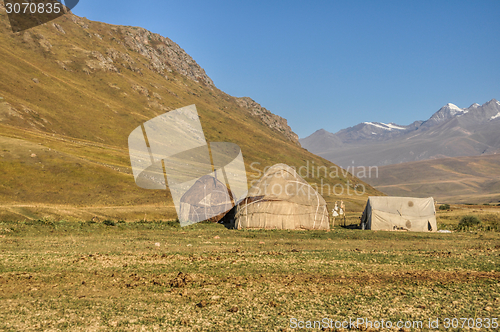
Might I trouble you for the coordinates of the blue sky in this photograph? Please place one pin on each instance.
(332, 64)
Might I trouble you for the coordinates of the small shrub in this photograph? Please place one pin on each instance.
(469, 221)
(444, 207)
(108, 222)
(44, 222)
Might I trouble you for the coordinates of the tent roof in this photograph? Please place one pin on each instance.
(207, 199)
(207, 185)
(407, 206)
(282, 183)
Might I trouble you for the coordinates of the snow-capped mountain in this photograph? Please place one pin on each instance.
(446, 112)
(386, 126)
(451, 131)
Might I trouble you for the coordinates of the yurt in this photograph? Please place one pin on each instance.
(281, 199)
(207, 199)
(399, 213)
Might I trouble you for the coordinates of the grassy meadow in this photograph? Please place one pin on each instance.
(156, 276)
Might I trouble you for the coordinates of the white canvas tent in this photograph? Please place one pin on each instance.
(281, 199)
(399, 213)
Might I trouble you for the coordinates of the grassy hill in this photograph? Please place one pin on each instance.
(451, 180)
(72, 90)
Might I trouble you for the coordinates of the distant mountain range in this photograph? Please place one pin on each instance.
(450, 132)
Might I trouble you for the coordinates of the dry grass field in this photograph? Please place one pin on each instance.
(156, 276)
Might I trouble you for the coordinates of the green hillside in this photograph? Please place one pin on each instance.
(72, 90)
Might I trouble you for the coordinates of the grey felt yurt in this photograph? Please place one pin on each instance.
(281, 199)
(399, 213)
(208, 199)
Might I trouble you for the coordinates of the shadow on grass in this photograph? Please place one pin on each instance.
(351, 226)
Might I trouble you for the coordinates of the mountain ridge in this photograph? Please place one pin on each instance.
(449, 132)
(161, 55)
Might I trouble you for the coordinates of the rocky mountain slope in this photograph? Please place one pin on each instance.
(273, 121)
(72, 90)
(450, 132)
